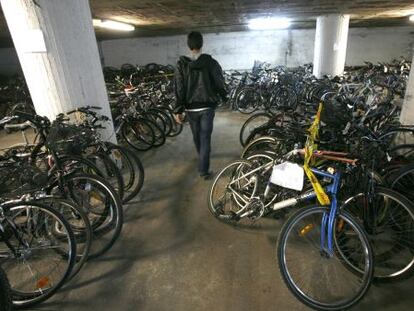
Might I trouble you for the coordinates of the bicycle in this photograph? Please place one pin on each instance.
(33, 236)
(64, 177)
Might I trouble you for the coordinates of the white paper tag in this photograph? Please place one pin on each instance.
(288, 175)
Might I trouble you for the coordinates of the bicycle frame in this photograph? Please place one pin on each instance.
(328, 220)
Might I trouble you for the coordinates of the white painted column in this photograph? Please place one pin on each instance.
(330, 45)
(407, 112)
(62, 69)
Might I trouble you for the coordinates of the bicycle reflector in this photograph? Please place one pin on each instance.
(305, 230)
(43, 282)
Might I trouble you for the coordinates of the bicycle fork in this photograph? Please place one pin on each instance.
(328, 219)
(327, 230)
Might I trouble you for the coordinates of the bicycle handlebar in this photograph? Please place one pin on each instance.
(38, 121)
(7, 119)
(20, 126)
(84, 109)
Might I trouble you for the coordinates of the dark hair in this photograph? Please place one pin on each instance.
(195, 40)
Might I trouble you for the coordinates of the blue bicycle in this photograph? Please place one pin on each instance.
(324, 255)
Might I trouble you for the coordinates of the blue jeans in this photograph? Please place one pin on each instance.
(201, 124)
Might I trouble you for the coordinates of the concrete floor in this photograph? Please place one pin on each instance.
(173, 254)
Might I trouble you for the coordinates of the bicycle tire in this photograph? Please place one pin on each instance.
(157, 119)
(392, 250)
(177, 128)
(402, 180)
(110, 214)
(79, 164)
(301, 294)
(5, 294)
(166, 117)
(159, 134)
(262, 144)
(138, 134)
(226, 207)
(81, 228)
(32, 297)
(245, 132)
(247, 100)
(131, 167)
(109, 170)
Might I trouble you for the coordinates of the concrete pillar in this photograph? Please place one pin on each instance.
(330, 45)
(56, 45)
(407, 111)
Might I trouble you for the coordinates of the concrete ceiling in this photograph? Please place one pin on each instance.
(166, 17)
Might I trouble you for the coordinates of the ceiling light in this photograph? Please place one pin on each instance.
(269, 23)
(411, 18)
(112, 25)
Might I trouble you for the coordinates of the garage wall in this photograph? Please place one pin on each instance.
(238, 50)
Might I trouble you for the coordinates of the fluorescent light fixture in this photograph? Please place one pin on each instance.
(411, 18)
(112, 25)
(269, 23)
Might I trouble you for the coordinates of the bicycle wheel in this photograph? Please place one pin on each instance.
(80, 225)
(165, 116)
(232, 194)
(132, 170)
(176, 128)
(5, 295)
(102, 205)
(109, 170)
(138, 134)
(251, 123)
(38, 251)
(321, 281)
(158, 132)
(157, 119)
(264, 144)
(71, 163)
(403, 181)
(283, 98)
(388, 219)
(247, 100)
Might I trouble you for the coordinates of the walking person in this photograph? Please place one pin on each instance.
(199, 84)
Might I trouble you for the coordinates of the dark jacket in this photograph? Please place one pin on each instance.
(198, 83)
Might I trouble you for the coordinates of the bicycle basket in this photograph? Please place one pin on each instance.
(69, 139)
